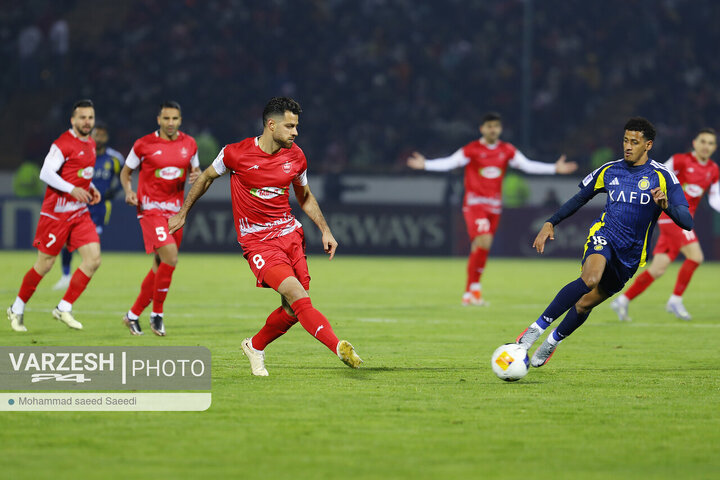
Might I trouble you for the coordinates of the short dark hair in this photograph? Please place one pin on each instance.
(491, 117)
(99, 125)
(170, 104)
(280, 105)
(84, 103)
(709, 130)
(643, 125)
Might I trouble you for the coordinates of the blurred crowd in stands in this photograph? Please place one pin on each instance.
(377, 79)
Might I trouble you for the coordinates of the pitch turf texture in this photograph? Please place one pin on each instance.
(618, 400)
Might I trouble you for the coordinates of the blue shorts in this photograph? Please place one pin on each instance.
(616, 273)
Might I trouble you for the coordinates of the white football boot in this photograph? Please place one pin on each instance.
(256, 357)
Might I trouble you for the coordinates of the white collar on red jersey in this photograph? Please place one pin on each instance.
(487, 145)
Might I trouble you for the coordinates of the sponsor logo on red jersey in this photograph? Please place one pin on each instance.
(169, 173)
(86, 173)
(267, 192)
(491, 172)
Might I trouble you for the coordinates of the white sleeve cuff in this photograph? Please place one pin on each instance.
(195, 161)
(132, 160)
(301, 180)
(219, 163)
(714, 196)
(444, 164)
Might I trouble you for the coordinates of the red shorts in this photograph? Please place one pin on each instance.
(53, 234)
(288, 249)
(479, 221)
(672, 239)
(155, 233)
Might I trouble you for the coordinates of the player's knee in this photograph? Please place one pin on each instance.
(657, 271)
(93, 263)
(699, 258)
(591, 280)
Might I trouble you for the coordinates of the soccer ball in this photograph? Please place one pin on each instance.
(510, 362)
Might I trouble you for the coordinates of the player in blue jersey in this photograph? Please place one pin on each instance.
(638, 189)
(108, 164)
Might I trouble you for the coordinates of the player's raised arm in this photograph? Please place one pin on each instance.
(198, 189)
(310, 206)
(561, 166)
(417, 161)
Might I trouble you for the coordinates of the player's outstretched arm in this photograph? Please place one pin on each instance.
(563, 167)
(310, 206)
(547, 231)
(126, 182)
(416, 161)
(198, 189)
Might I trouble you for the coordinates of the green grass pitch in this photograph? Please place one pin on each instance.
(636, 400)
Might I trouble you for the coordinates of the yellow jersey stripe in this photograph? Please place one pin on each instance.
(600, 182)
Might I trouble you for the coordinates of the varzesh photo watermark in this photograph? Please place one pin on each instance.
(158, 378)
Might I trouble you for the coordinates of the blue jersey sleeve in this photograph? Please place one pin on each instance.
(590, 186)
(677, 209)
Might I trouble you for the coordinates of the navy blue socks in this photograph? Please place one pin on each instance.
(566, 298)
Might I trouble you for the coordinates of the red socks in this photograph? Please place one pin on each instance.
(146, 294)
(29, 284)
(642, 282)
(78, 282)
(684, 276)
(315, 323)
(475, 266)
(163, 277)
(276, 325)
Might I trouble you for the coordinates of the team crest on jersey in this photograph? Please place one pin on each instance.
(169, 173)
(693, 190)
(286, 167)
(598, 248)
(86, 173)
(267, 193)
(490, 172)
(644, 183)
(184, 152)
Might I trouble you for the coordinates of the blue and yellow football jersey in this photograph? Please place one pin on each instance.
(630, 213)
(107, 181)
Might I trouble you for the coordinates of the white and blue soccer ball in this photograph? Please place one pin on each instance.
(510, 362)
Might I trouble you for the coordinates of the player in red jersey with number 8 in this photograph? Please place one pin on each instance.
(166, 158)
(262, 170)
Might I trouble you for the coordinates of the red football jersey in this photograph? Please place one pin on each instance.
(260, 185)
(164, 166)
(694, 177)
(78, 169)
(484, 174)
